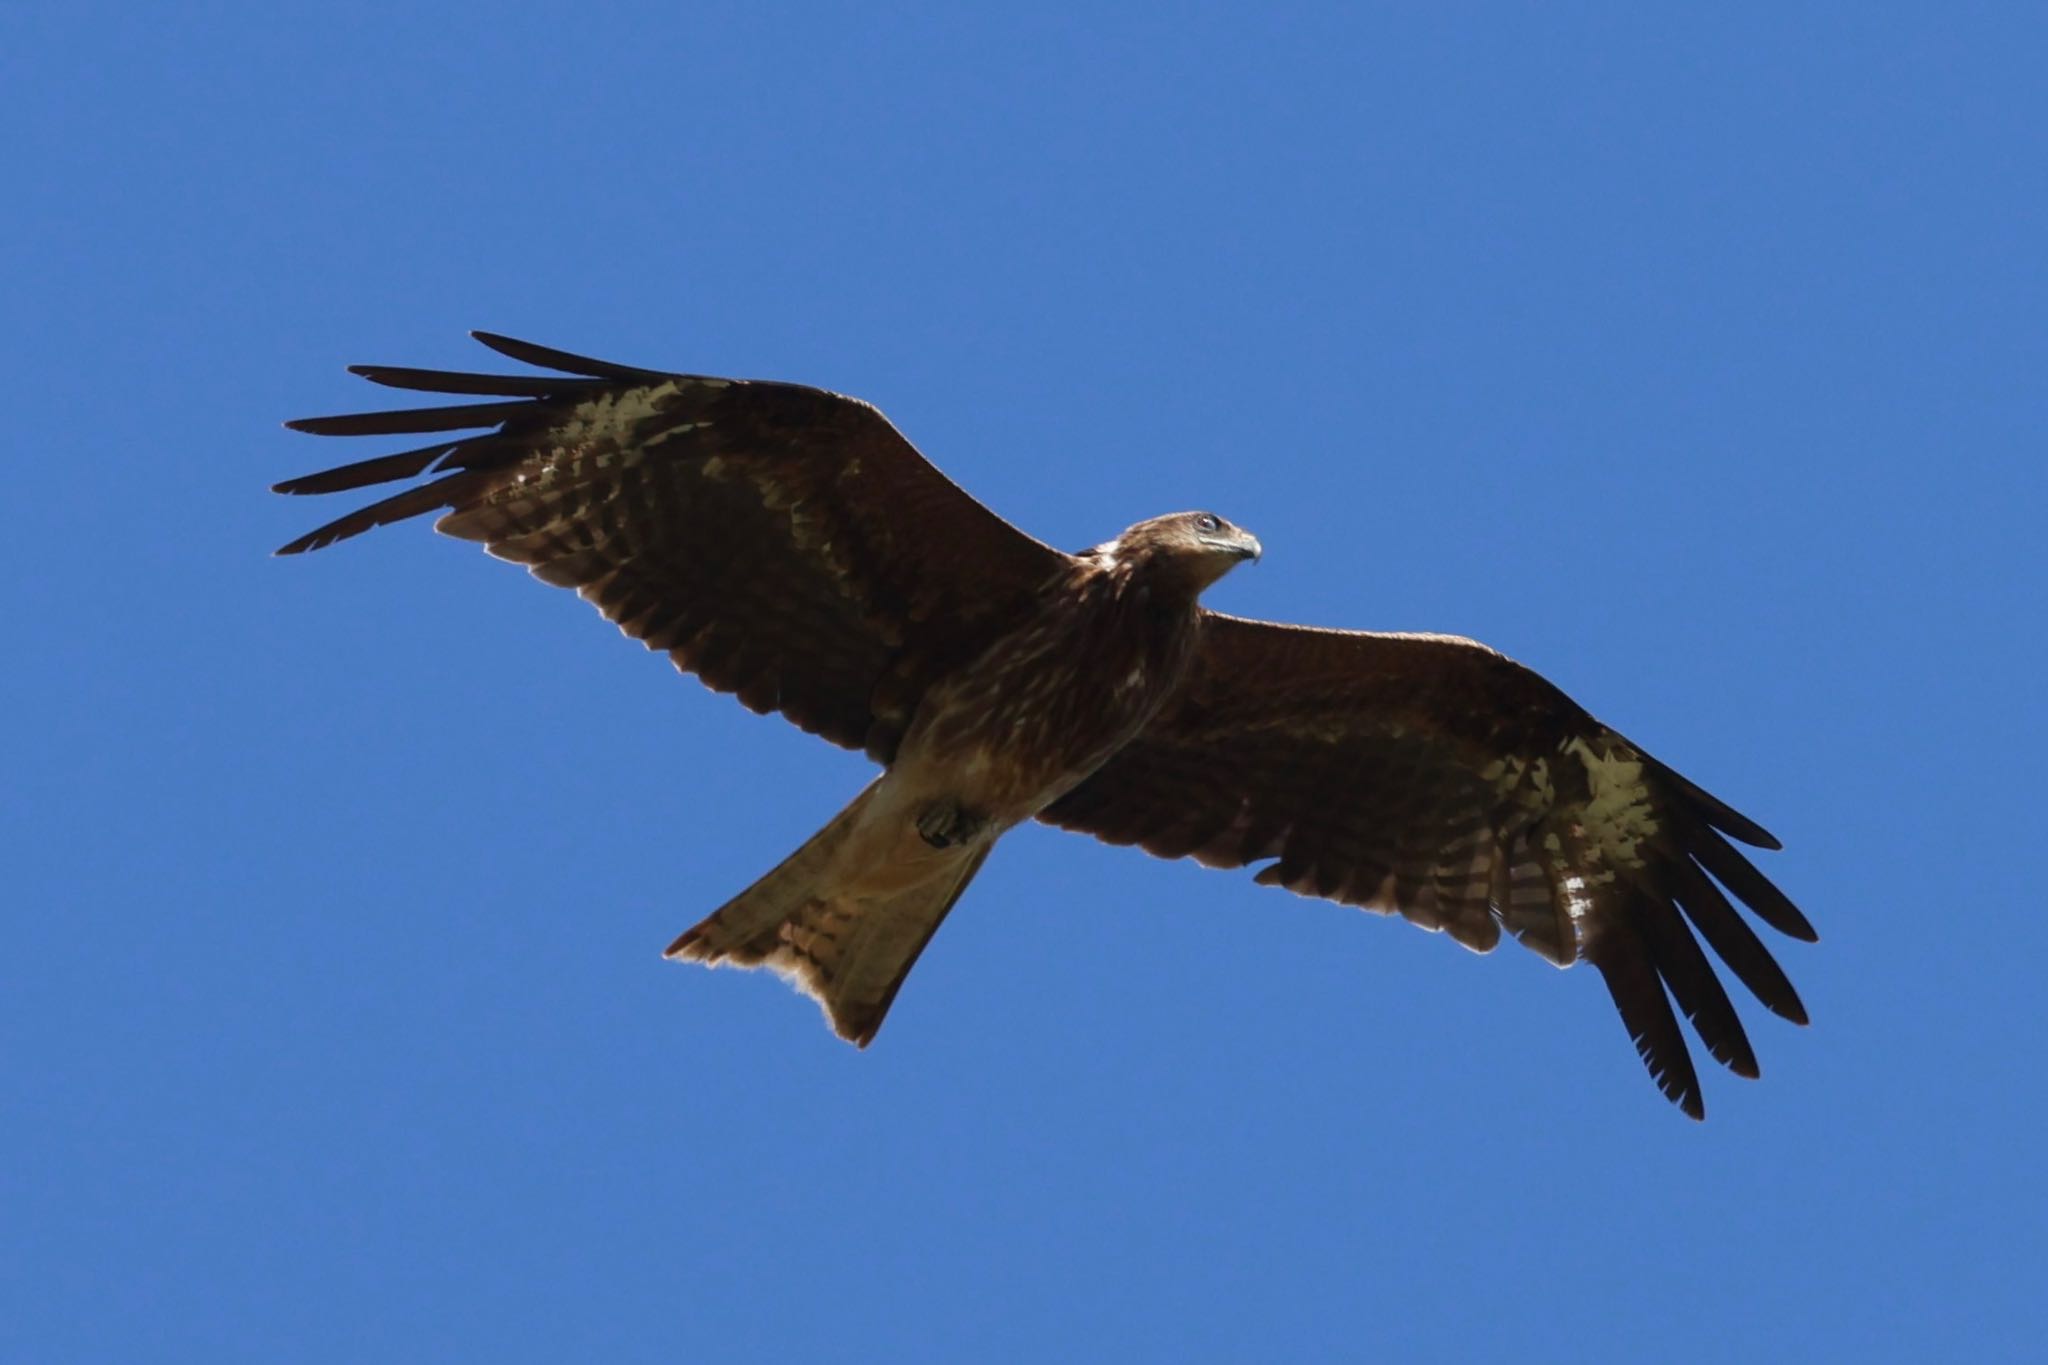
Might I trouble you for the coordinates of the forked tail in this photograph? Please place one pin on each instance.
(849, 954)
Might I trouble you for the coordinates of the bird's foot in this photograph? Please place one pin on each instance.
(945, 824)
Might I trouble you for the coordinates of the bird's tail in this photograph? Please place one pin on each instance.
(848, 953)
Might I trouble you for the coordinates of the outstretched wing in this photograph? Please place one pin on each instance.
(783, 543)
(1432, 777)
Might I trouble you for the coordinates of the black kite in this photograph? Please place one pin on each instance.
(789, 546)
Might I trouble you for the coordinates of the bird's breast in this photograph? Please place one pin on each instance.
(1048, 704)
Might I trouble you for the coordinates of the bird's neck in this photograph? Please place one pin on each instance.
(1164, 586)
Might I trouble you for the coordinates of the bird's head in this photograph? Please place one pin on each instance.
(1190, 550)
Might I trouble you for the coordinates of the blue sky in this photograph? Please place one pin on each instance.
(1696, 361)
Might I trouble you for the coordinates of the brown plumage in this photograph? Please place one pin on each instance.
(788, 545)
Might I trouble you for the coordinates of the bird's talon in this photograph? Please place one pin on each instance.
(946, 824)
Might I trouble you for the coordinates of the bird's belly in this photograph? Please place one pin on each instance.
(884, 853)
(1008, 753)
(996, 783)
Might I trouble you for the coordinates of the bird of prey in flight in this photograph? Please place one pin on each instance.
(789, 546)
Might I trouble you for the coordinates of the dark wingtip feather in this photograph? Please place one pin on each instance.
(312, 540)
(1719, 813)
(1752, 887)
(457, 418)
(1623, 960)
(1690, 978)
(382, 469)
(1732, 938)
(444, 492)
(548, 358)
(463, 381)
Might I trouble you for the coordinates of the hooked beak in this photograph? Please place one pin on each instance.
(1249, 548)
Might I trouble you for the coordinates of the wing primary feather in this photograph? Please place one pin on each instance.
(1623, 960)
(461, 381)
(1719, 813)
(1750, 886)
(383, 469)
(411, 503)
(1734, 941)
(458, 418)
(1691, 977)
(548, 358)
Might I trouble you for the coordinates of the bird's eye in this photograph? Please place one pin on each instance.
(1207, 523)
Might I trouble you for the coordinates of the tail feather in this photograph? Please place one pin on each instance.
(883, 944)
(849, 954)
(745, 930)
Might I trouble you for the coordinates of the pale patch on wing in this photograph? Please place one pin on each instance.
(1577, 904)
(617, 416)
(1618, 817)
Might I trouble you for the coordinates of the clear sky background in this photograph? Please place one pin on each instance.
(1696, 360)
